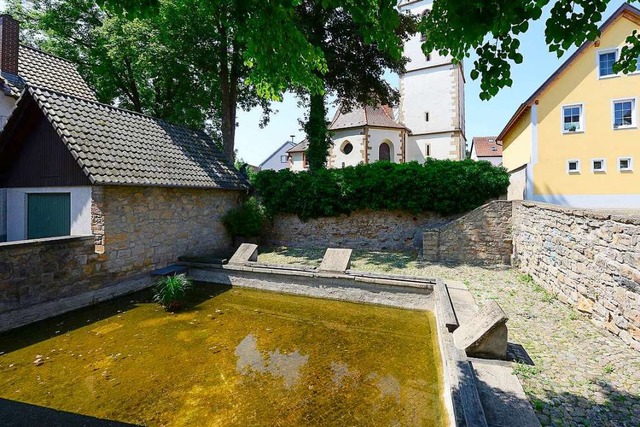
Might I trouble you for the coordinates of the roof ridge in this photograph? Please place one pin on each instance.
(48, 54)
(112, 107)
(625, 7)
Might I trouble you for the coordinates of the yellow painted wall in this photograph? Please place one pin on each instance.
(580, 84)
(516, 144)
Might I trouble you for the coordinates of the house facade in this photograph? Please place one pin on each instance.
(428, 123)
(279, 159)
(575, 140)
(487, 148)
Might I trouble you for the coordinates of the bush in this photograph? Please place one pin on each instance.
(170, 291)
(245, 220)
(442, 186)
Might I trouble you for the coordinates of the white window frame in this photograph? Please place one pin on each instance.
(604, 165)
(285, 157)
(628, 169)
(602, 52)
(573, 172)
(582, 121)
(637, 71)
(634, 113)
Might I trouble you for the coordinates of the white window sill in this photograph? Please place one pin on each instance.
(610, 76)
(573, 172)
(625, 127)
(571, 132)
(625, 170)
(599, 171)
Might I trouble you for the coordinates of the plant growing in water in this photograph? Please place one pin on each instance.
(171, 290)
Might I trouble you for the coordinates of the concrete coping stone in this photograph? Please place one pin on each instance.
(406, 284)
(586, 213)
(448, 313)
(46, 241)
(336, 260)
(417, 279)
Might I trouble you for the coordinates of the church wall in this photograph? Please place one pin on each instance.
(378, 136)
(340, 139)
(440, 147)
(429, 91)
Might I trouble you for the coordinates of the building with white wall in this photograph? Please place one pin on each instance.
(430, 120)
(279, 159)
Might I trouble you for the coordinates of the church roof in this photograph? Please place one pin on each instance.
(379, 116)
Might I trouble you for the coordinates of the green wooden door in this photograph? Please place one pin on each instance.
(48, 215)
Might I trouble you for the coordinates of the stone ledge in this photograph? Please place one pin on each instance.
(47, 241)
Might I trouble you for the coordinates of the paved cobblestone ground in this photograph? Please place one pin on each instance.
(582, 375)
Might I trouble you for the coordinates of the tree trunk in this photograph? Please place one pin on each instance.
(317, 134)
(229, 91)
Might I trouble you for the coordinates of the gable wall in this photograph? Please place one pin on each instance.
(41, 159)
(579, 84)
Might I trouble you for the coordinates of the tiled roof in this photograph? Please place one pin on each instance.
(301, 147)
(120, 147)
(37, 68)
(380, 116)
(625, 10)
(487, 146)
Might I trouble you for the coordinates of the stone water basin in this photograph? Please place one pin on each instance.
(233, 357)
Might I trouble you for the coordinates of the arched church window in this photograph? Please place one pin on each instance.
(347, 148)
(384, 152)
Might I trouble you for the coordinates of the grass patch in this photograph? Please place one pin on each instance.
(526, 371)
(608, 369)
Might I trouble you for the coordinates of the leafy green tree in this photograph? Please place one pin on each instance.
(355, 67)
(491, 28)
(285, 45)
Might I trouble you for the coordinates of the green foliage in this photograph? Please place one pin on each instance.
(491, 28)
(246, 220)
(526, 372)
(442, 186)
(171, 290)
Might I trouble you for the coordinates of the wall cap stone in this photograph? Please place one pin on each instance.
(47, 241)
(599, 214)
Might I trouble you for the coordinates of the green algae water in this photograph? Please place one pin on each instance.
(233, 357)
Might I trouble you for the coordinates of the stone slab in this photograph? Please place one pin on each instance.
(246, 252)
(485, 335)
(336, 260)
(448, 313)
(503, 399)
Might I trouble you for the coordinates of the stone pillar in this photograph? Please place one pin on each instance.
(431, 245)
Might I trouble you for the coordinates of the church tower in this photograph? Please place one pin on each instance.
(431, 98)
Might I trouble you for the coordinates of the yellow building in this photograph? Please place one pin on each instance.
(576, 140)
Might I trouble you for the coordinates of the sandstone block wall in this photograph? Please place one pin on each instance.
(370, 230)
(43, 270)
(483, 236)
(135, 230)
(588, 259)
(138, 229)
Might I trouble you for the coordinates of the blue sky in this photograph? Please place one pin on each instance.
(483, 117)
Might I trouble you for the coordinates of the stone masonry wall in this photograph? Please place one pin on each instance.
(590, 260)
(483, 236)
(46, 269)
(139, 229)
(370, 230)
(135, 230)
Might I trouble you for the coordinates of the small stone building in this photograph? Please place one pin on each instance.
(97, 194)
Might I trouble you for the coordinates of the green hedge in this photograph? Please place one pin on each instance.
(442, 186)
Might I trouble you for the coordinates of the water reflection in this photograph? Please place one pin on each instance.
(285, 366)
